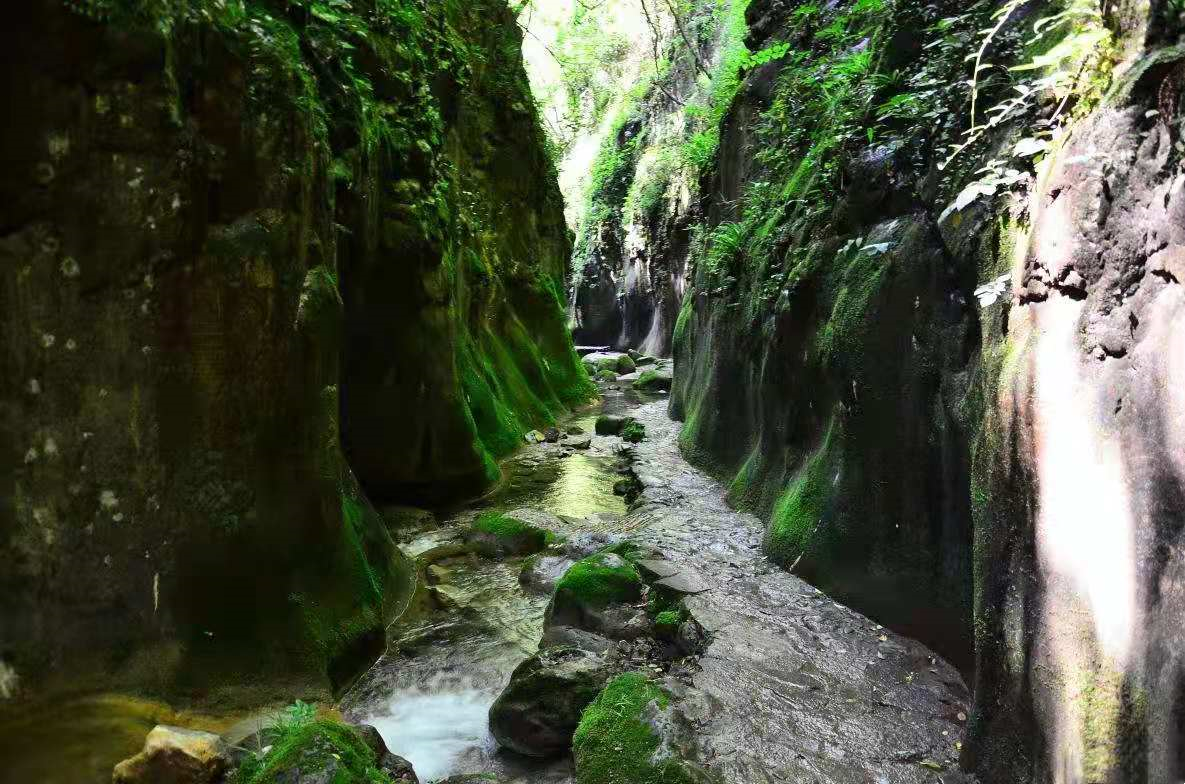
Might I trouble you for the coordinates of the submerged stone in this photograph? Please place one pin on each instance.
(578, 442)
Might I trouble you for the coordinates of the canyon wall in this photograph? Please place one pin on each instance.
(260, 263)
(931, 334)
(642, 195)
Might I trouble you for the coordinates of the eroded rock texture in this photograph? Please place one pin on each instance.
(630, 259)
(959, 411)
(1082, 464)
(232, 231)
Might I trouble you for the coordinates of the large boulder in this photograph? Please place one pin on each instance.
(324, 752)
(540, 708)
(520, 532)
(657, 380)
(604, 594)
(174, 755)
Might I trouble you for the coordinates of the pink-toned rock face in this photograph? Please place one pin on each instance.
(1094, 408)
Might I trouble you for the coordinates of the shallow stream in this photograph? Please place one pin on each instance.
(430, 695)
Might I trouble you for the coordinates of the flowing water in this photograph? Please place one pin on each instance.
(430, 695)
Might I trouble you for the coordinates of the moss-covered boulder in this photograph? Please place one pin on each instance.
(625, 738)
(502, 534)
(666, 623)
(539, 709)
(654, 381)
(611, 424)
(611, 362)
(634, 432)
(603, 594)
(323, 751)
(599, 580)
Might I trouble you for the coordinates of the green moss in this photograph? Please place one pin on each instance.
(312, 746)
(667, 622)
(505, 527)
(860, 280)
(684, 319)
(652, 381)
(614, 744)
(598, 581)
(633, 432)
(799, 512)
(510, 387)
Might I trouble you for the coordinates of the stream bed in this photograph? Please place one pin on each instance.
(430, 695)
(793, 686)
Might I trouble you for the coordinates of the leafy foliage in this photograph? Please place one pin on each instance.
(302, 744)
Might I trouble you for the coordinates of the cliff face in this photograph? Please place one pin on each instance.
(930, 338)
(643, 195)
(242, 241)
(1079, 465)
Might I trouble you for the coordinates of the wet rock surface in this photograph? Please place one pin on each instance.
(792, 686)
(770, 680)
(539, 709)
(399, 769)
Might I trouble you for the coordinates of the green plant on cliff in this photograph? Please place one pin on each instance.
(589, 54)
(703, 138)
(821, 107)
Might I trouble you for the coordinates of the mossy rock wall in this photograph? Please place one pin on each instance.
(630, 258)
(456, 339)
(820, 364)
(976, 473)
(199, 194)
